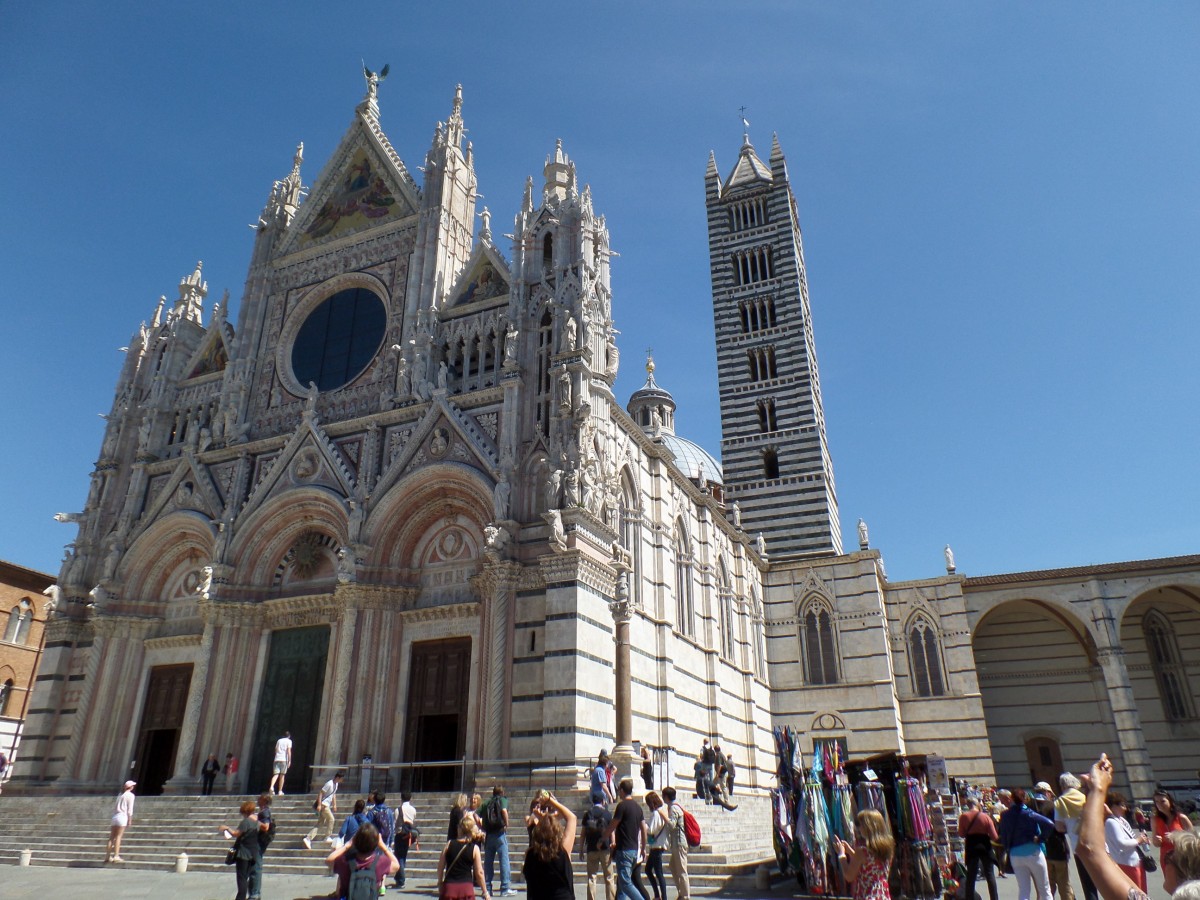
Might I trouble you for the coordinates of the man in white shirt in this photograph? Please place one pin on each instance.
(406, 833)
(326, 806)
(283, 761)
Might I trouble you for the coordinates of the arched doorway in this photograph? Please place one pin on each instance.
(1044, 697)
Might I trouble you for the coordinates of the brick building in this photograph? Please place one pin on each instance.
(22, 616)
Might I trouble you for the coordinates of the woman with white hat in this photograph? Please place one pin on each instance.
(122, 819)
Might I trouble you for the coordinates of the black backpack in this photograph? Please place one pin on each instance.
(494, 820)
(265, 837)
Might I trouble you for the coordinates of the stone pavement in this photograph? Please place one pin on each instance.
(48, 883)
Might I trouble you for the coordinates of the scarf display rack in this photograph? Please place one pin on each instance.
(816, 802)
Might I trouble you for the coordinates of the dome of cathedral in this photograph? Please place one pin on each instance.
(691, 458)
(653, 407)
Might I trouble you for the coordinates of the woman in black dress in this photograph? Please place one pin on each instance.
(547, 866)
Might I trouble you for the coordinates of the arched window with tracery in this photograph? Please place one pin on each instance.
(544, 349)
(631, 535)
(925, 659)
(1169, 672)
(685, 608)
(758, 626)
(19, 620)
(818, 643)
(725, 611)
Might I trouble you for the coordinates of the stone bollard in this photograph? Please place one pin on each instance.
(762, 878)
(26, 857)
(181, 862)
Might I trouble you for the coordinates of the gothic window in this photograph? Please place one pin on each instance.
(545, 346)
(766, 415)
(631, 535)
(685, 610)
(1169, 671)
(19, 619)
(6, 697)
(725, 610)
(548, 252)
(759, 627)
(925, 659)
(770, 463)
(818, 647)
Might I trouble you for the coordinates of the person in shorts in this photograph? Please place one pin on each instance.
(283, 762)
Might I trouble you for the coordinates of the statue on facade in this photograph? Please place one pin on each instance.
(206, 439)
(568, 336)
(510, 346)
(373, 80)
(558, 535)
(53, 595)
(564, 390)
(72, 518)
(760, 544)
(553, 488)
(949, 554)
(113, 558)
(358, 513)
(496, 538)
(345, 565)
(443, 375)
(403, 381)
(501, 496)
(144, 432)
(204, 585)
(571, 488)
(737, 514)
(864, 539)
(310, 400)
(612, 359)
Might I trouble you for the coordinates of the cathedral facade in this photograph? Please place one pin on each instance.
(398, 510)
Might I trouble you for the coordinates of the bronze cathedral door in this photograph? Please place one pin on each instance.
(162, 719)
(290, 701)
(436, 724)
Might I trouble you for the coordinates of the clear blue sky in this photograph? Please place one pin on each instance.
(1000, 203)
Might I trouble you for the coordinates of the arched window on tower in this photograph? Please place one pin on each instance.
(818, 645)
(6, 697)
(925, 659)
(1173, 689)
(770, 463)
(685, 609)
(548, 252)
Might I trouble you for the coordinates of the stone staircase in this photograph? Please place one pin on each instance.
(73, 831)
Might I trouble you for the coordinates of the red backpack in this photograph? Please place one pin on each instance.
(691, 828)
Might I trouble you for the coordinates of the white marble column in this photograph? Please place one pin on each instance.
(80, 722)
(501, 581)
(341, 684)
(184, 778)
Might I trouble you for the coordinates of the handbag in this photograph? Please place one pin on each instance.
(231, 855)
(1148, 861)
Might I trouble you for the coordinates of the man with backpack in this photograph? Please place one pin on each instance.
(381, 816)
(325, 806)
(266, 834)
(627, 831)
(406, 834)
(596, 849)
(677, 843)
(495, 826)
(362, 864)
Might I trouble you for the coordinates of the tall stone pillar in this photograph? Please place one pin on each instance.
(499, 582)
(347, 627)
(1129, 724)
(622, 613)
(75, 745)
(184, 779)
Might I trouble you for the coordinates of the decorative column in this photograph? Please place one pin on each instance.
(184, 778)
(1129, 724)
(341, 674)
(500, 580)
(79, 722)
(622, 613)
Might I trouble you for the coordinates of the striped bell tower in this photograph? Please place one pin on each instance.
(773, 448)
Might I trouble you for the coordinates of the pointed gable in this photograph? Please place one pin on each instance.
(213, 353)
(363, 186)
(485, 276)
